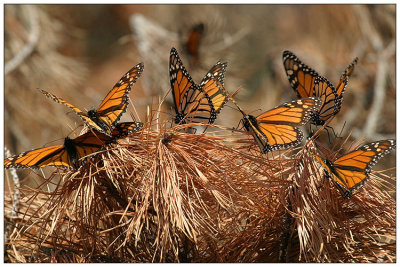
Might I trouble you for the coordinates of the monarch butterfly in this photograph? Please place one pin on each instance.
(306, 82)
(193, 42)
(276, 128)
(196, 103)
(350, 171)
(111, 108)
(73, 152)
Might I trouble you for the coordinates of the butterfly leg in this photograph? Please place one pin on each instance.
(190, 130)
(205, 128)
(311, 132)
(237, 127)
(327, 130)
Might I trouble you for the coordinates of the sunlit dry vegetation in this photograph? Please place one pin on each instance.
(164, 195)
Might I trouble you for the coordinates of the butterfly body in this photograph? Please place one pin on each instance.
(277, 128)
(249, 121)
(73, 153)
(351, 171)
(251, 125)
(94, 116)
(70, 148)
(193, 102)
(107, 115)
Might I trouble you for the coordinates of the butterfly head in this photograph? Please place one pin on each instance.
(92, 113)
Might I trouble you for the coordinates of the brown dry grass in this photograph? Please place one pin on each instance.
(168, 196)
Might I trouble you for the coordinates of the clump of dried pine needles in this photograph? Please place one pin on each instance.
(163, 195)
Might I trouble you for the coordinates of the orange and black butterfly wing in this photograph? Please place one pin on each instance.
(70, 155)
(353, 168)
(41, 157)
(116, 101)
(251, 125)
(276, 128)
(91, 142)
(85, 145)
(192, 104)
(301, 77)
(180, 80)
(351, 171)
(330, 102)
(111, 108)
(66, 156)
(73, 153)
(344, 78)
(213, 86)
(197, 106)
(83, 115)
(126, 128)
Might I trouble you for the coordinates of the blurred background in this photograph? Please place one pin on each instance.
(78, 52)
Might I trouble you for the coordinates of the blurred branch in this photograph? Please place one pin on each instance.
(16, 130)
(379, 92)
(368, 30)
(382, 63)
(33, 39)
(229, 40)
(150, 36)
(352, 115)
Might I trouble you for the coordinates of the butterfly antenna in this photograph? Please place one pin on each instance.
(71, 131)
(337, 136)
(231, 97)
(259, 109)
(50, 142)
